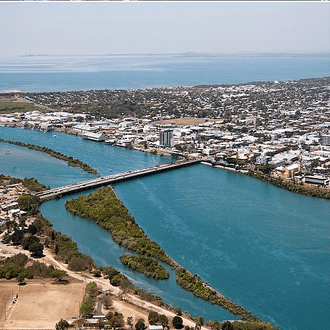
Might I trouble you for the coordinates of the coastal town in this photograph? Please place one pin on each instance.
(281, 128)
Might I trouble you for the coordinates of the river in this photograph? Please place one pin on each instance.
(264, 248)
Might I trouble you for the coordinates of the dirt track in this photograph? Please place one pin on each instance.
(41, 304)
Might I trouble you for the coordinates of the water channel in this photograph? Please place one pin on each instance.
(265, 248)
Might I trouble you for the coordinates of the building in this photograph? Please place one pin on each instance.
(166, 138)
(98, 137)
(45, 127)
(289, 171)
(316, 179)
(156, 327)
(326, 140)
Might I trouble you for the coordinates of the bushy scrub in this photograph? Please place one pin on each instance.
(147, 266)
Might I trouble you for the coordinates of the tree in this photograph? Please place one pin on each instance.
(116, 320)
(58, 274)
(92, 289)
(62, 325)
(29, 203)
(20, 279)
(29, 240)
(97, 273)
(139, 325)
(130, 322)
(178, 311)
(199, 322)
(86, 309)
(115, 281)
(17, 237)
(153, 318)
(107, 302)
(32, 229)
(227, 326)
(163, 320)
(36, 250)
(177, 322)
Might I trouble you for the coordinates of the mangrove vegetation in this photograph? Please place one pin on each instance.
(103, 207)
(145, 265)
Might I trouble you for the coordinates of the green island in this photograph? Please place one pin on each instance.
(70, 160)
(145, 265)
(104, 207)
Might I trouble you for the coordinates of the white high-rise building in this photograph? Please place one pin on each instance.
(166, 138)
(326, 140)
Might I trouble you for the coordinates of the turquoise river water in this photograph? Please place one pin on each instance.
(264, 248)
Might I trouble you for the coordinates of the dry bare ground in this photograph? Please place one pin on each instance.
(183, 121)
(40, 304)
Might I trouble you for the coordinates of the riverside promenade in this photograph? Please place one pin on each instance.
(112, 179)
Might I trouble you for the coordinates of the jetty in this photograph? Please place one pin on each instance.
(112, 179)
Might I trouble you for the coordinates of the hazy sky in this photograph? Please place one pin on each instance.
(151, 27)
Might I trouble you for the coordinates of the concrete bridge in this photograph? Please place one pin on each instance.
(112, 179)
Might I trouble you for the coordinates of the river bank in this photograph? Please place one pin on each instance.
(104, 207)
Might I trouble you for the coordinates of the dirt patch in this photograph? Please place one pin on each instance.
(40, 304)
(183, 121)
(7, 291)
(128, 310)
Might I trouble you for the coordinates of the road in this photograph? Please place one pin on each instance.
(104, 284)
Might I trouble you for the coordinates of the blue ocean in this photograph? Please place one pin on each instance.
(68, 73)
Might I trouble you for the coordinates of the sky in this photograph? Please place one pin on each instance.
(85, 28)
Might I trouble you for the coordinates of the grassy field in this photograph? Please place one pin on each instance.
(14, 105)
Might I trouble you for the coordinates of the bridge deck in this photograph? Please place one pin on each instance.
(112, 179)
